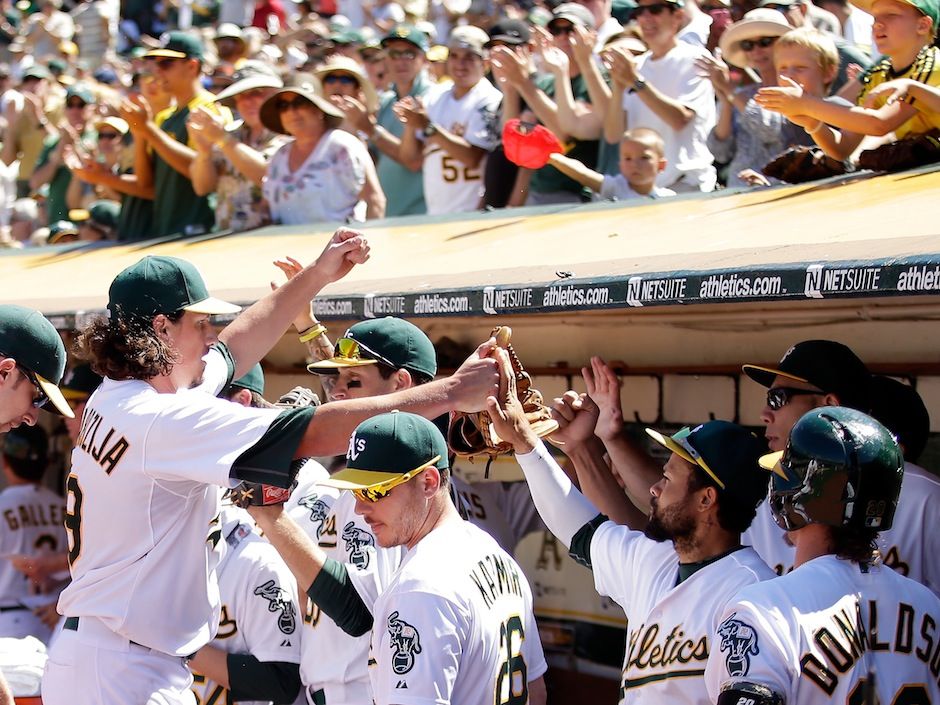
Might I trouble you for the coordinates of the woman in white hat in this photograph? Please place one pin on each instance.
(345, 83)
(746, 135)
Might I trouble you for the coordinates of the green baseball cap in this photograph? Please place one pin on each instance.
(36, 71)
(159, 284)
(392, 341)
(253, 380)
(727, 452)
(387, 447)
(407, 33)
(929, 8)
(61, 229)
(31, 340)
(80, 382)
(103, 213)
(178, 45)
(82, 92)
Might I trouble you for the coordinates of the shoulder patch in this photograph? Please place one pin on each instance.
(406, 643)
(358, 543)
(739, 639)
(278, 602)
(318, 510)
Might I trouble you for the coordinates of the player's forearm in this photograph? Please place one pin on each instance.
(636, 469)
(304, 558)
(212, 663)
(600, 487)
(174, 153)
(562, 507)
(574, 169)
(250, 336)
(333, 423)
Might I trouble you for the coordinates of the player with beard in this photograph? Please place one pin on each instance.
(674, 578)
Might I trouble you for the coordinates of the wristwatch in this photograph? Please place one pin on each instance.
(430, 130)
(638, 85)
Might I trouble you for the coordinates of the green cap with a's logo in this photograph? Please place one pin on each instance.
(407, 33)
(388, 446)
(158, 284)
(178, 45)
(253, 380)
(31, 340)
(388, 340)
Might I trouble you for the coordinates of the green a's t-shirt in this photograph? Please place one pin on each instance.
(176, 207)
(548, 178)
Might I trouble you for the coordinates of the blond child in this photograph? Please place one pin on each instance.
(642, 159)
(903, 31)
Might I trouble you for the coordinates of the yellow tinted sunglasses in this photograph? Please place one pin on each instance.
(352, 350)
(374, 493)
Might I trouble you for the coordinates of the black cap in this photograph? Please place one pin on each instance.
(900, 408)
(827, 365)
(509, 31)
(80, 382)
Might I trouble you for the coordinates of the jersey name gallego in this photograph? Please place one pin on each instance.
(495, 576)
(106, 453)
(844, 639)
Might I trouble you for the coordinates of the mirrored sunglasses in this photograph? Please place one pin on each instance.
(376, 492)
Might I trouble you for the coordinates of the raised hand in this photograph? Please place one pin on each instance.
(786, 98)
(505, 410)
(576, 415)
(345, 250)
(354, 111)
(476, 379)
(622, 66)
(604, 388)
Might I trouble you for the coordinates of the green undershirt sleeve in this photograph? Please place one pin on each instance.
(335, 595)
(270, 461)
(251, 679)
(581, 542)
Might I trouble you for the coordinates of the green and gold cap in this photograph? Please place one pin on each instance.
(30, 339)
(178, 45)
(929, 8)
(158, 284)
(392, 341)
(252, 380)
(407, 33)
(388, 446)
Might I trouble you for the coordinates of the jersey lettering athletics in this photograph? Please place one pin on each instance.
(33, 523)
(455, 625)
(669, 626)
(449, 185)
(332, 660)
(143, 503)
(831, 632)
(911, 546)
(259, 598)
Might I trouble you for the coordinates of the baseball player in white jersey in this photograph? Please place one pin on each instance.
(457, 128)
(142, 495)
(820, 372)
(840, 628)
(455, 623)
(673, 579)
(31, 519)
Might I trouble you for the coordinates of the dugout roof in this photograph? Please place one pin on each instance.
(853, 236)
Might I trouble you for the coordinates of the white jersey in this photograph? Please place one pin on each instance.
(504, 510)
(449, 185)
(911, 546)
(676, 76)
(455, 625)
(143, 507)
(331, 659)
(32, 524)
(260, 614)
(669, 625)
(817, 634)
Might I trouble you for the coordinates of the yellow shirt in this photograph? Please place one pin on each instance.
(925, 69)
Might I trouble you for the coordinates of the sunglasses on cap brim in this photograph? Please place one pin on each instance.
(352, 349)
(373, 493)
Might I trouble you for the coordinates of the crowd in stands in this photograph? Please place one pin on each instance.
(130, 121)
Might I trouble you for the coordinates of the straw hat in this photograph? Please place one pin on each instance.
(307, 86)
(343, 64)
(762, 22)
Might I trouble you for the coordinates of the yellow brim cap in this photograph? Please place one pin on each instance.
(212, 306)
(337, 363)
(771, 462)
(669, 444)
(763, 372)
(56, 397)
(164, 54)
(350, 479)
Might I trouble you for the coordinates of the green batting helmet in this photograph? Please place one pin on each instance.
(840, 468)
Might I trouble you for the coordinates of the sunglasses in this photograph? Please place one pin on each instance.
(374, 493)
(108, 136)
(409, 54)
(165, 62)
(682, 438)
(341, 79)
(763, 43)
(655, 10)
(559, 30)
(39, 398)
(779, 397)
(285, 105)
(352, 350)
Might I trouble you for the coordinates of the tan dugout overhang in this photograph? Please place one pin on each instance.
(872, 221)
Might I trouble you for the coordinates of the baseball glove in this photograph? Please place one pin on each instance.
(472, 434)
(905, 153)
(254, 494)
(297, 398)
(798, 165)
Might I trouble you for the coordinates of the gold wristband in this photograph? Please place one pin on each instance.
(312, 332)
